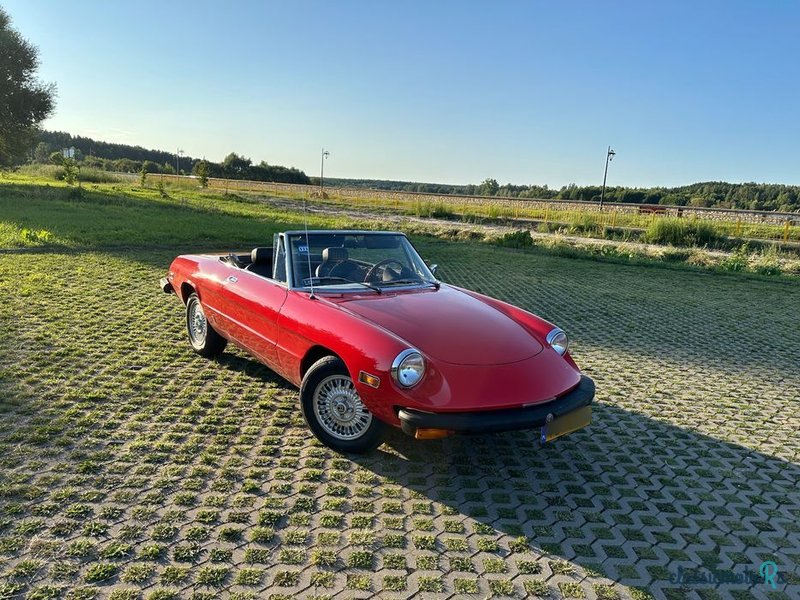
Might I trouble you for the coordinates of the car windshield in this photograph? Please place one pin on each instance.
(354, 261)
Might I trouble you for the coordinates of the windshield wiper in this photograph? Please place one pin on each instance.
(407, 282)
(318, 280)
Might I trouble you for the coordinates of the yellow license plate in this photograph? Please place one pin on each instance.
(570, 422)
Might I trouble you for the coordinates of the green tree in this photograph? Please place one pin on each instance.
(235, 166)
(41, 153)
(24, 100)
(71, 170)
(202, 173)
(150, 167)
(488, 187)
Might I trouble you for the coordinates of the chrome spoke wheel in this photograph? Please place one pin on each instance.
(198, 326)
(338, 408)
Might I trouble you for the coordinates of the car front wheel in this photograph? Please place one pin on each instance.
(202, 336)
(334, 410)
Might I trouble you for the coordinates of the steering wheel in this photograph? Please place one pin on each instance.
(382, 263)
(339, 265)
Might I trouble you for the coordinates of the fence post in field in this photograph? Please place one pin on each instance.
(786, 231)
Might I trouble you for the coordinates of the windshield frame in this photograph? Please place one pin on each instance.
(427, 280)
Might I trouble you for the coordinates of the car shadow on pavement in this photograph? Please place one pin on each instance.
(635, 499)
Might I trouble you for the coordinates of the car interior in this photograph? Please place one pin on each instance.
(332, 262)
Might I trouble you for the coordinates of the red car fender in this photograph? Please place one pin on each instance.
(538, 326)
(362, 345)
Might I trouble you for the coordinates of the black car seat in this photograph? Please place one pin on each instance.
(333, 257)
(261, 262)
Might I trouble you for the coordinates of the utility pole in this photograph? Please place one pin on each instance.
(325, 154)
(609, 156)
(177, 161)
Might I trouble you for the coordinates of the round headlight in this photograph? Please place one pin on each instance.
(408, 368)
(558, 340)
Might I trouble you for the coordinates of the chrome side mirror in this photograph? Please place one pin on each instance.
(433, 268)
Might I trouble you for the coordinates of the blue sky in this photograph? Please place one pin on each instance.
(453, 92)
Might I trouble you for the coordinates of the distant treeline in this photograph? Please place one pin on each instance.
(754, 196)
(133, 159)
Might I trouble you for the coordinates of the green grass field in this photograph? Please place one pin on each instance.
(38, 212)
(131, 468)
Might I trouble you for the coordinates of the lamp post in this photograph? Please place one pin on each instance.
(325, 154)
(178, 155)
(609, 156)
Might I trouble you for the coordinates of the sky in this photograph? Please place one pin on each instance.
(527, 92)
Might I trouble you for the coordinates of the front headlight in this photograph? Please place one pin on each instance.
(558, 340)
(408, 368)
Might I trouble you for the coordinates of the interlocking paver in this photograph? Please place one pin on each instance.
(133, 469)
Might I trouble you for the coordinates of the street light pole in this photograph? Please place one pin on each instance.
(609, 155)
(325, 154)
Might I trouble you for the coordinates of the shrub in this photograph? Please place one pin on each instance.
(92, 175)
(767, 263)
(515, 239)
(584, 223)
(737, 261)
(440, 210)
(679, 232)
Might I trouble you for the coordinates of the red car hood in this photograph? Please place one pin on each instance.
(448, 325)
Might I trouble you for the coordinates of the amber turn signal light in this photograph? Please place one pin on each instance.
(369, 379)
(432, 434)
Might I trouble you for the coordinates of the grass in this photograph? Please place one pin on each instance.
(129, 463)
(588, 221)
(41, 213)
(682, 232)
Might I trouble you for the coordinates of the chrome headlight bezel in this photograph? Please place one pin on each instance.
(557, 339)
(399, 375)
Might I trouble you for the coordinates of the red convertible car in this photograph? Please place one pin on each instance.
(360, 323)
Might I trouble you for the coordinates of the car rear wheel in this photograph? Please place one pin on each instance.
(202, 336)
(334, 410)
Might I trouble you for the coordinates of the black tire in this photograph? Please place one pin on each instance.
(334, 412)
(203, 338)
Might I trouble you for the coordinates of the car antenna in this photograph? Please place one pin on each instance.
(308, 249)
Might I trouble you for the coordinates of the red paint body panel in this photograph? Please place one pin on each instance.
(481, 353)
(449, 326)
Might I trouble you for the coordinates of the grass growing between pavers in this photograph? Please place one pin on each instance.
(130, 468)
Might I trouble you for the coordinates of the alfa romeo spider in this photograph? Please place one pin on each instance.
(361, 324)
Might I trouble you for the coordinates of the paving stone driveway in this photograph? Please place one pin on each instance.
(133, 469)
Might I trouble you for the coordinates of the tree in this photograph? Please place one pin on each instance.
(489, 187)
(150, 167)
(202, 173)
(24, 100)
(41, 153)
(235, 166)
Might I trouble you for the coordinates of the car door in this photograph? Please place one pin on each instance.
(253, 304)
